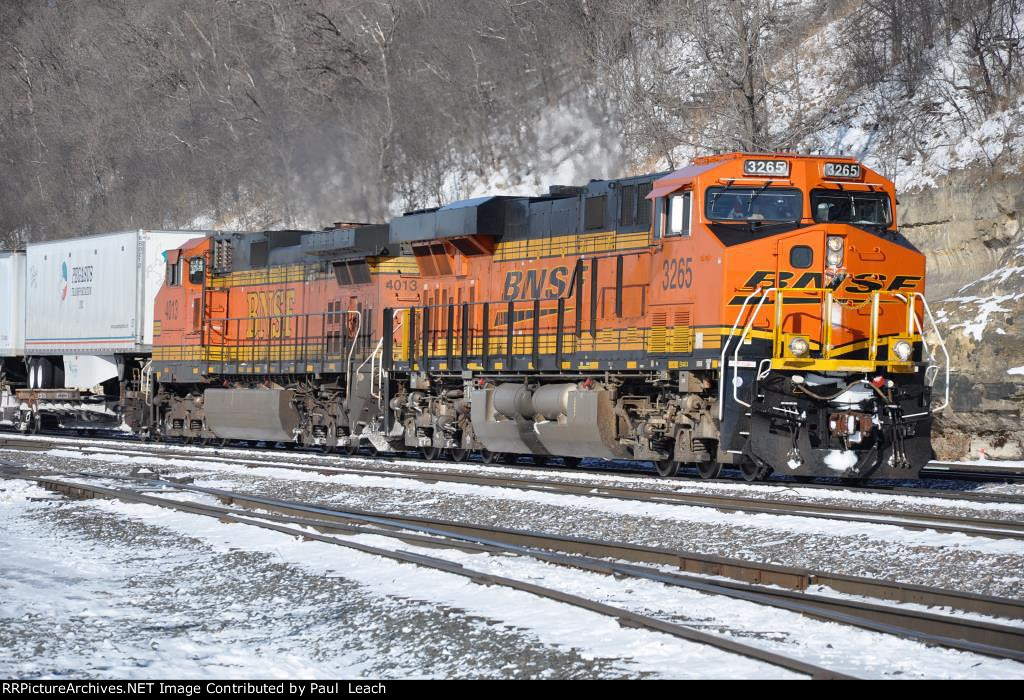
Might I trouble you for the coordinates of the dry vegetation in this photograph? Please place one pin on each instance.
(132, 113)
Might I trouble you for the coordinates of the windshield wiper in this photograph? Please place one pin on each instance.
(767, 184)
(750, 207)
(714, 199)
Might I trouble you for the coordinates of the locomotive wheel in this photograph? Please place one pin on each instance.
(753, 472)
(572, 462)
(351, 449)
(488, 457)
(327, 449)
(372, 449)
(431, 453)
(709, 470)
(458, 455)
(667, 467)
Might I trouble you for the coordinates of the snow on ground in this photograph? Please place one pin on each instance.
(660, 511)
(857, 554)
(178, 595)
(179, 456)
(113, 608)
(71, 607)
(833, 646)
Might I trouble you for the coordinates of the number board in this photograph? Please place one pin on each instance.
(844, 170)
(769, 168)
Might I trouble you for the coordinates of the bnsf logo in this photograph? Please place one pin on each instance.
(861, 283)
(266, 312)
(536, 284)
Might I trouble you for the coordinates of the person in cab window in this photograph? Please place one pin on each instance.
(735, 209)
(762, 209)
(782, 210)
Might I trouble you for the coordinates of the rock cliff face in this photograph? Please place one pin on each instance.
(969, 226)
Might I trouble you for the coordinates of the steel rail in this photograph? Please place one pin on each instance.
(944, 494)
(912, 520)
(958, 633)
(932, 471)
(625, 617)
(737, 569)
(908, 519)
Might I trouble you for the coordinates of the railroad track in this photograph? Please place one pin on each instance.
(300, 528)
(907, 519)
(972, 472)
(765, 584)
(938, 471)
(226, 453)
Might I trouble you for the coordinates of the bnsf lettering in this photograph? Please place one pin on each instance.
(263, 307)
(861, 283)
(900, 282)
(535, 284)
(865, 283)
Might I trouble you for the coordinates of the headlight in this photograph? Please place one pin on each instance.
(799, 347)
(903, 349)
(834, 254)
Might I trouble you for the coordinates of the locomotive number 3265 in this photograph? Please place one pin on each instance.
(678, 273)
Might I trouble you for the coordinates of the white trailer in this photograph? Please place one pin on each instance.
(88, 310)
(94, 295)
(12, 329)
(12, 304)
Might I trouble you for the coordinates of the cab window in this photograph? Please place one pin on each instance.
(174, 273)
(847, 207)
(196, 270)
(753, 204)
(678, 215)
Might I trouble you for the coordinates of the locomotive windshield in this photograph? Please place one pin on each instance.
(753, 204)
(871, 208)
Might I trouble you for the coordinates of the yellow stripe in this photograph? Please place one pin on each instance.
(573, 244)
(404, 265)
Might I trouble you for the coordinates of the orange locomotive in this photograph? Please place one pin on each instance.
(760, 311)
(754, 310)
(273, 335)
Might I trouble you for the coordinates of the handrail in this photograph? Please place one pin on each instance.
(355, 341)
(939, 340)
(146, 382)
(761, 295)
(873, 354)
(378, 350)
(739, 345)
(725, 348)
